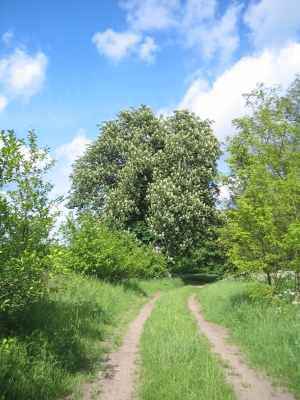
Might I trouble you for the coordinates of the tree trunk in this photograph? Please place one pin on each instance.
(296, 287)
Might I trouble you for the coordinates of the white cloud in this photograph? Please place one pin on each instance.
(7, 36)
(21, 76)
(200, 27)
(66, 154)
(72, 150)
(144, 15)
(3, 102)
(116, 45)
(273, 22)
(194, 23)
(223, 101)
(147, 48)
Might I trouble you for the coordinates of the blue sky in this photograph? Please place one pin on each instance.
(65, 66)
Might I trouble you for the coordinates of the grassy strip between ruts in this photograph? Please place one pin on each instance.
(176, 362)
(51, 346)
(269, 336)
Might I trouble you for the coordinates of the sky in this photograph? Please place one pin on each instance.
(66, 66)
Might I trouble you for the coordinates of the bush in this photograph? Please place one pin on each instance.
(27, 217)
(95, 249)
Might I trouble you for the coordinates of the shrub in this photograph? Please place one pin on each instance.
(95, 249)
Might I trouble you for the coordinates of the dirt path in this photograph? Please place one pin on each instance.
(246, 383)
(117, 381)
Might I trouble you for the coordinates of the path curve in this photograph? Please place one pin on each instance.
(117, 381)
(246, 383)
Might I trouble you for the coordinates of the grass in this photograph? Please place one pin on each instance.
(176, 363)
(269, 336)
(49, 348)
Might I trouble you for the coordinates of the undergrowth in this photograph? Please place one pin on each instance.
(47, 349)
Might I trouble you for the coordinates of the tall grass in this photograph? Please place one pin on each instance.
(176, 363)
(269, 335)
(48, 348)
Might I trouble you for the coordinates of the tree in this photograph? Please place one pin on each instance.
(263, 218)
(151, 176)
(27, 217)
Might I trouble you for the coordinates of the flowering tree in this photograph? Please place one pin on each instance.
(152, 176)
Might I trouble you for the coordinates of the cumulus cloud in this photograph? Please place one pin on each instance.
(66, 155)
(147, 48)
(222, 101)
(21, 75)
(145, 15)
(201, 29)
(273, 22)
(195, 24)
(70, 151)
(117, 45)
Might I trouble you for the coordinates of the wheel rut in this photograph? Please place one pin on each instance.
(117, 382)
(248, 384)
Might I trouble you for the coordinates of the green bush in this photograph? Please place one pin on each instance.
(95, 249)
(27, 217)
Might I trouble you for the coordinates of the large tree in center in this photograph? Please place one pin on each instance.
(152, 176)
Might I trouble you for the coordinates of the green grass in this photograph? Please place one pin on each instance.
(176, 363)
(49, 348)
(268, 335)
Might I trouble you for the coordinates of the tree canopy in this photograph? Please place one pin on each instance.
(151, 176)
(263, 229)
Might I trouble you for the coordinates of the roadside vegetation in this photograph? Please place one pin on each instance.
(267, 332)
(48, 348)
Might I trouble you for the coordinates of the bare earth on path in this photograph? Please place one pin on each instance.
(118, 380)
(247, 385)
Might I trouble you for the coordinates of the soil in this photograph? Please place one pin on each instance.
(247, 383)
(117, 382)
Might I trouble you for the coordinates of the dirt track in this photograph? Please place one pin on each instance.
(118, 380)
(248, 385)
